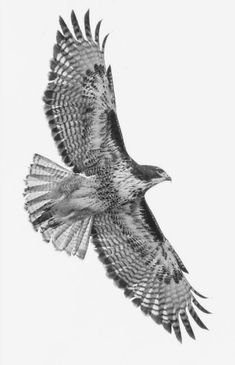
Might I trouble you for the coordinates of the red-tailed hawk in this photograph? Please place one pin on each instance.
(102, 196)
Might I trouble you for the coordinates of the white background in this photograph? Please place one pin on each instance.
(173, 66)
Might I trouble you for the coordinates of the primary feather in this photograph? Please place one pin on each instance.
(103, 196)
(79, 100)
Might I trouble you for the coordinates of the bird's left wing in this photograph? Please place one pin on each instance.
(141, 260)
(80, 101)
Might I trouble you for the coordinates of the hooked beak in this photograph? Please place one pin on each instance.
(168, 178)
(164, 177)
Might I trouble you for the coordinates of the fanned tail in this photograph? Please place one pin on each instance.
(43, 177)
(71, 236)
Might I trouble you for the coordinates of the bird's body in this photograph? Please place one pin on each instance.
(103, 196)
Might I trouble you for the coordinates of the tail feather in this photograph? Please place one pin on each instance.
(79, 243)
(43, 176)
(43, 166)
(71, 236)
(84, 237)
(39, 188)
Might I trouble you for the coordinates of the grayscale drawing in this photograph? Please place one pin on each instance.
(101, 197)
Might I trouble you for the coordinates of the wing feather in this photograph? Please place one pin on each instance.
(76, 27)
(88, 26)
(79, 100)
(65, 29)
(141, 260)
(186, 323)
(97, 32)
(104, 42)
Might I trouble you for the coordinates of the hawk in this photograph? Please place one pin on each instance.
(102, 196)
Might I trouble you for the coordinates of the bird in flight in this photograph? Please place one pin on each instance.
(102, 196)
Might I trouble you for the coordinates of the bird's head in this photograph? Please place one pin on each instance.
(152, 175)
(157, 175)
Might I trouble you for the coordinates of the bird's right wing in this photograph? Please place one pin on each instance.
(141, 260)
(80, 101)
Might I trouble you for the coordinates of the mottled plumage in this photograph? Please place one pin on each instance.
(102, 196)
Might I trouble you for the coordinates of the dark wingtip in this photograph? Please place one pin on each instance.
(192, 335)
(97, 32)
(64, 27)
(203, 326)
(156, 319)
(73, 17)
(76, 27)
(59, 37)
(136, 301)
(178, 336)
(129, 293)
(196, 318)
(187, 325)
(62, 22)
(87, 18)
(87, 13)
(199, 306)
(198, 294)
(104, 42)
(145, 310)
(87, 25)
(167, 326)
(73, 14)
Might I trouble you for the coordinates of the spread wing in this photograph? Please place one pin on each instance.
(141, 260)
(80, 101)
